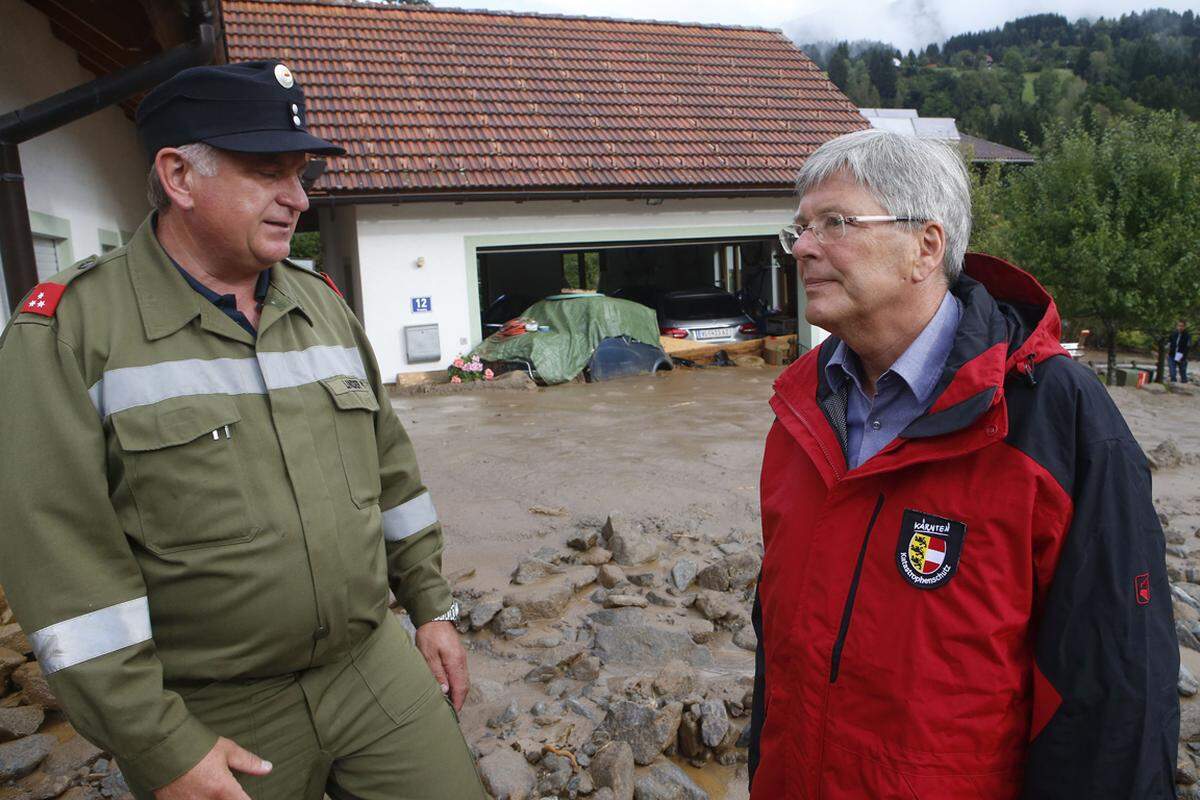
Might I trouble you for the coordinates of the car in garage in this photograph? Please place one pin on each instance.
(707, 314)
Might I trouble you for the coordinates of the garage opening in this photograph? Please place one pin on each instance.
(750, 269)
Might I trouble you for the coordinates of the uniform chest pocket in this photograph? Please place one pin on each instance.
(354, 409)
(185, 476)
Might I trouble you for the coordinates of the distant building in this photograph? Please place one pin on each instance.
(908, 122)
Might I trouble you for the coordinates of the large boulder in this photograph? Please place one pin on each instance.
(19, 758)
(34, 687)
(507, 775)
(643, 644)
(735, 571)
(540, 601)
(612, 770)
(533, 569)
(646, 729)
(9, 661)
(13, 638)
(628, 544)
(19, 722)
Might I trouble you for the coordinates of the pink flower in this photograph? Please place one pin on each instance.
(474, 366)
(456, 379)
(475, 358)
(488, 375)
(458, 362)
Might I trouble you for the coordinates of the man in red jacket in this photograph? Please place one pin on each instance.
(964, 592)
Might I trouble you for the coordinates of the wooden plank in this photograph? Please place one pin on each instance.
(703, 353)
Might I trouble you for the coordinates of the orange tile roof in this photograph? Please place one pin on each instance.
(430, 100)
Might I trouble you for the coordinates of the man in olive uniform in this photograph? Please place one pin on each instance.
(205, 494)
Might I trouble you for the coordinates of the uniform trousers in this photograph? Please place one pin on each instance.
(371, 726)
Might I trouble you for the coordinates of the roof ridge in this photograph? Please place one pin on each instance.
(417, 9)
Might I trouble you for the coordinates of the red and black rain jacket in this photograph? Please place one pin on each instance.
(980, 610)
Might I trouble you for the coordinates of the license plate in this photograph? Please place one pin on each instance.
(714, 333)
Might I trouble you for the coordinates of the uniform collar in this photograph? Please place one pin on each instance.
(167, 302)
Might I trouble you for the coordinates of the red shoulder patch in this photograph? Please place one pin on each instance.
(44, 299)
(325, 277)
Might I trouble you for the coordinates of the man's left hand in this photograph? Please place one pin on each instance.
(439, 643)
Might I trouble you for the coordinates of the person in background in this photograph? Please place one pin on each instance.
(1177, 351)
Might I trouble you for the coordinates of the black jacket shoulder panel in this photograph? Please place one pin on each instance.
(1062, 412)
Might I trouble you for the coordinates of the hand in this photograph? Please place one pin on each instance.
(212, 778)
(438, 641)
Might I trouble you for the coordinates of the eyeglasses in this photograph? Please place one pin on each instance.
(832, 227)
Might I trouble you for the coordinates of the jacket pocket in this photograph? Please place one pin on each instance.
(184, 474)
(354, 413)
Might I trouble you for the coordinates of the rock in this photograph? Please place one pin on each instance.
(596, 556)
(690, 744)
(607, 794)
(34, 687)
(113, 785)
(485, 691)
(1165, 456)
(558, 774)
(660, 600)
(618, 616)
(585, 669)
(734, 571)
(1188, 685)
(581, 784)
(666, 781)
(612, 771)
(16, 723)
(1185, 768)
(507, 775)
(9, 661)
(483, 613)
(641, 644)
(70, 756)
(1186, 637)
(646, 730)
(508, 619)
(642, 579)
(610, 575)
(582, 577)
(675, 680)
(625, 601)
(531, 570)
(683, 573)
(504, 717)
(714, 722)
(628, 545)
(3, 601)
(716, 605)
(540, 601)
(19, 758)
(82, 793)
(582, 541)
(13, 638)
(745, 638)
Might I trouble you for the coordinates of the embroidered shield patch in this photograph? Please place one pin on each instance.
(928, 550)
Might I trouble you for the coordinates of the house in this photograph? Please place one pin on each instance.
(908, 122)
(499, 156)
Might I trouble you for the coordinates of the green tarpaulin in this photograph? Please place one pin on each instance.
(577, 324)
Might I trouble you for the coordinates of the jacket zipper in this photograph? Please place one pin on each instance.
(837, 473)
(848, 610)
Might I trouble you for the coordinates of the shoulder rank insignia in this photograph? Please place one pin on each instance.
(44, 299)
(325, 277)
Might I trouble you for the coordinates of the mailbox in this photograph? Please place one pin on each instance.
(422, 343)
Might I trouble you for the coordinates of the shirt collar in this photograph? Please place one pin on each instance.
(919, 366)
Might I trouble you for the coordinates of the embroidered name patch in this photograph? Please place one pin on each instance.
(928, 550)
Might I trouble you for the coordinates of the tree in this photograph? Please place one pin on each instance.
(839, 66)
(1107, 220)
(883, 75)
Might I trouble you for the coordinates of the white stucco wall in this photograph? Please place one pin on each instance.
(392, 238)
(90, 173)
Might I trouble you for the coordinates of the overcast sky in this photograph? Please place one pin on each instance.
(904, 23)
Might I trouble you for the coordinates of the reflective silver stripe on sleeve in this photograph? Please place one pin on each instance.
(408, 518)
(97, 633)
(129, 387)
(297, 367)
(121, 389)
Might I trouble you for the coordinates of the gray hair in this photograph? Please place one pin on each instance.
(203, 159)
(908, 176)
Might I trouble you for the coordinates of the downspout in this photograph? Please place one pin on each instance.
(16, 238)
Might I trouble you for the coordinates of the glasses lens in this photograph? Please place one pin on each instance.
(788, 237)
(831, 227)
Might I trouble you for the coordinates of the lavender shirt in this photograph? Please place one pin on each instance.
(902, 393)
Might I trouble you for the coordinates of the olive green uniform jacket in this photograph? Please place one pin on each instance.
(181, 503)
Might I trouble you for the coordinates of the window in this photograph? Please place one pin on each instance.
(45, 254)
(581, 270)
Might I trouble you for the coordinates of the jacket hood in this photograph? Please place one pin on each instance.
(1009, 324)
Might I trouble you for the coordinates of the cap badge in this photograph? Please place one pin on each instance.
(284, 76)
